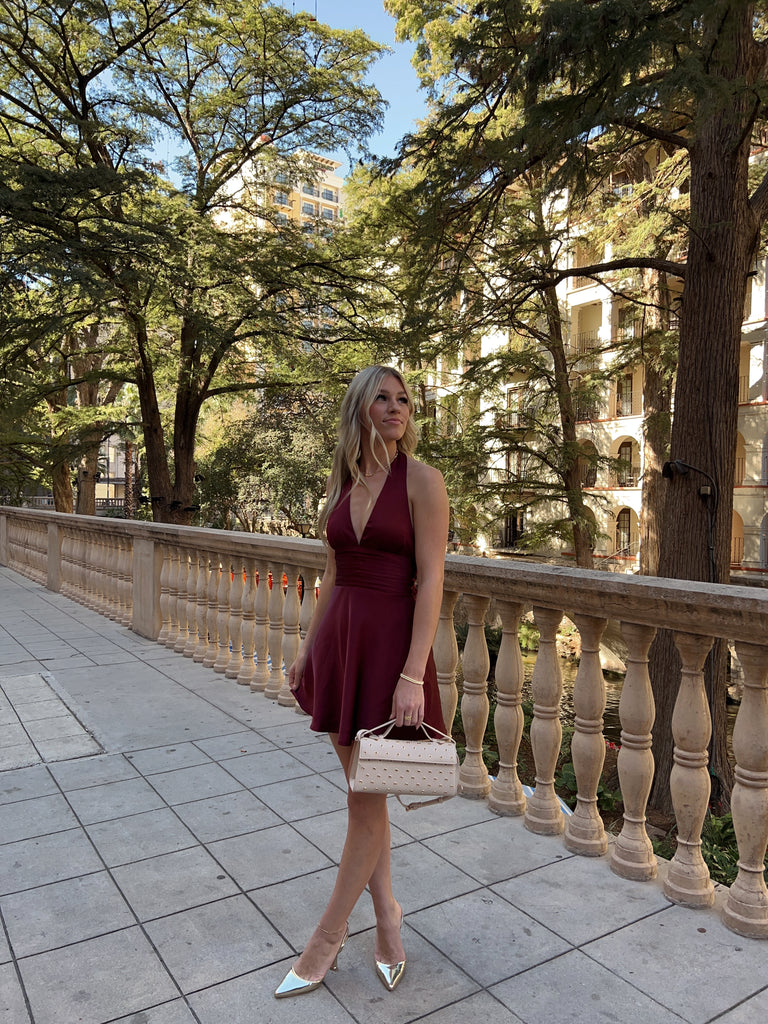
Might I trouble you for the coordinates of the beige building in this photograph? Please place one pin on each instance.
(316, 204)
(613, 427)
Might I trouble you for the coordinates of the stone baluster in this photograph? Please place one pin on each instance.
(746, 909)
(235, 662)
(24, 554)
(125, 581)
(291, 637)
(543, 814)
(100, 562)
(445, 651)
(112, 554)
(632, 855)
(79, 567)
(276, 599)
(507, 795)
(42, 554)
(473, 780)
(260, 676)
(688, 880)
(117, 579)
(205, 570)
(182, 602)
(193, 577)
(173, 596)
(248, 666)
(212, 611)
(65, 584)
(308, 599)
(93, 560)
(584, 831)
(223, 618)
(165, 590)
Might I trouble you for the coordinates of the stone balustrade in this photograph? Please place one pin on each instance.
(238, 604)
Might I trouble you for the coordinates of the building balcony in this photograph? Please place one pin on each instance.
(196, 843)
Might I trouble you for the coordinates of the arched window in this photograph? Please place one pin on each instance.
(623, 530)
(587, 463)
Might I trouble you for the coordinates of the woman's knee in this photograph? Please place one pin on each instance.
(367, 806)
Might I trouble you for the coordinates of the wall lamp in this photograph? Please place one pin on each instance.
(679, 468)
(708, 493)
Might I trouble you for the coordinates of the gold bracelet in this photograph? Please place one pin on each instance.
(410, 679)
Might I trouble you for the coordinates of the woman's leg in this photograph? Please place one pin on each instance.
(364, 861)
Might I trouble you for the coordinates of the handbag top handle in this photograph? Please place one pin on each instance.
(388, 726)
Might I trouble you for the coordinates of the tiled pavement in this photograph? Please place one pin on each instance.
(172, 840)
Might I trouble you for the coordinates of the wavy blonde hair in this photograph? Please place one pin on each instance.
(354, 414)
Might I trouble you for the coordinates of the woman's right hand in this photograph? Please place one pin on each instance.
(296, 671)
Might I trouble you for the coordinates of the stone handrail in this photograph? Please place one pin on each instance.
(210, 595)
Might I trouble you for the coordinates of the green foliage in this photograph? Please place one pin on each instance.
(264, 464)
(718, 848)
(184, 257)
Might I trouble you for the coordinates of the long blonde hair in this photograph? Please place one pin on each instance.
(354, 414)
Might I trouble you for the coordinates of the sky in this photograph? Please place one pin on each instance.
(392, 75)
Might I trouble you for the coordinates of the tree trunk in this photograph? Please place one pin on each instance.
(61, 480)
(657, 402)
(86, 481)
(170, 502)
(656, 426)
(722, 245)
(578, 513)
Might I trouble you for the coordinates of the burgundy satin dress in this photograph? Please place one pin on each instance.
(361, 645)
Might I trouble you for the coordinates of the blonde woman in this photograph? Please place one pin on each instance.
(367, 656)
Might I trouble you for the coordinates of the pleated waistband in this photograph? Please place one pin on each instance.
(374, 570)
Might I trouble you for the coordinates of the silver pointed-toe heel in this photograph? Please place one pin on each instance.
(294, 985)
(391, 975)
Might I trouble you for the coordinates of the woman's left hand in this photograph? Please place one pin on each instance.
(408, 704)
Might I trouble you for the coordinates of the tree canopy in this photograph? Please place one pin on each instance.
(183, 253)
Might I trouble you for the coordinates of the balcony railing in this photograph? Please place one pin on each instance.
(234, 602)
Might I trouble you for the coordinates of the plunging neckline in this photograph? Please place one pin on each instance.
(359, 540)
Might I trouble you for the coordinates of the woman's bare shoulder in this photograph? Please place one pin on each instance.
(422, 477)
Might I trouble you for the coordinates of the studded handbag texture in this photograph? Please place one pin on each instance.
(428, 767)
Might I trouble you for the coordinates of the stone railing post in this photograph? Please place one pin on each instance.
(507, 795)
(445, 651)
(146, 565)
(746, 909)
(584, 831)
(474, 780)
(276, 599)
(688, 880)
(543, 814)
(632, 855)
(291, 638)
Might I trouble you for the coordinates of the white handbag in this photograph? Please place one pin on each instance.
(427, 767)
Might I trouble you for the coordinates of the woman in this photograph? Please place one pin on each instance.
(367, 655)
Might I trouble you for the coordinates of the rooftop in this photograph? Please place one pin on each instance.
(169, 838)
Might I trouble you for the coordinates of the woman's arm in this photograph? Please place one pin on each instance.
(429, 505)
(296, 671)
